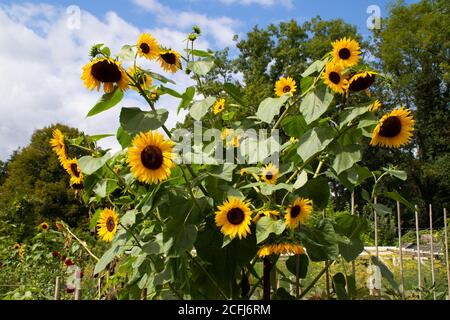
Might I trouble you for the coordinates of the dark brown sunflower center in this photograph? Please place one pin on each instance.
(391, 127)
(145, 48)
(110, 224)
(344, 54)
(75, 170)
(295, 211)
(45, 226)
(104, 71)
(169, 58)
(362, 83)
(287, 89)
(334, 77)
(152, 157)
(269, 176)
(78, 186)
(235, 216)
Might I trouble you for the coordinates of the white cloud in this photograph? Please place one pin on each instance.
(222, 29)
(41, 61)
(264, 3)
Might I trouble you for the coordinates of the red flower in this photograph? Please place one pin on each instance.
(68, 262)
(55, 254)
(70, 290)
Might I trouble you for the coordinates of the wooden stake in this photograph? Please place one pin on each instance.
(400, 246)
(376, 243)
(266, 278)
(419, 273)
(433, 280)
(446, 252)
(353, 213)
(77, 294)
(57, 288)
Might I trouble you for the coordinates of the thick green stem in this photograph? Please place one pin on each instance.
(211, 279)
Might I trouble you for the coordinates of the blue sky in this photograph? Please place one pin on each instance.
(43, 56)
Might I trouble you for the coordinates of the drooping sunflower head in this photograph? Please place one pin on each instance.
(267, 213)
(44, 226)
(219, 106)
(346, 52)
(107, 224)
(285, 85)
(374, 107)
(234, 218)
(104, 71)
(72, 168)
(139, 77)
(77, 182)
(394, 129)
(170, 60)
(151, 157)
(361, 81)
(270, 174)
(298, 212)
(335, 78)
(280, 248)
(58, 145)
(147, 46)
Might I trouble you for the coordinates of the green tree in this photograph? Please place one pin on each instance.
(37, 187)
(413, 49)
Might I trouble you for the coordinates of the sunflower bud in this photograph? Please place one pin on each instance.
(192, 36)
(197, 30)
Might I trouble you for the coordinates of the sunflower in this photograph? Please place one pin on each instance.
(268, 213)
(139, 77)
(280, 248)
(285, 85)
(170, 60)
(334, 78)
(346, 52)
(77, 182)
(219, 106)
(231, 138)
(44, 226)
(234, 217)
(58, 145)
(243, 172)
(72, 168)
(298, 212)
(106, 71)
(293, 140)
(361, 81)
(374, 107)
(270, 174)
(17, 246)
(151, 157)
(147, 47)
(107, 224)
(394, 129)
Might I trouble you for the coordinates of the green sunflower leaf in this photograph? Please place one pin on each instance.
(159, 77)
(314, 141)
(107, 101)
(200, 108)
(202, 68)
(316, 103)
(271, 107)
(186, 98)
(134, 120)
(89, 165)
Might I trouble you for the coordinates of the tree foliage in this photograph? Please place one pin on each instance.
(36, 187)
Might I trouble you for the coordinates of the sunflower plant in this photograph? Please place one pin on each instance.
(185, 229)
